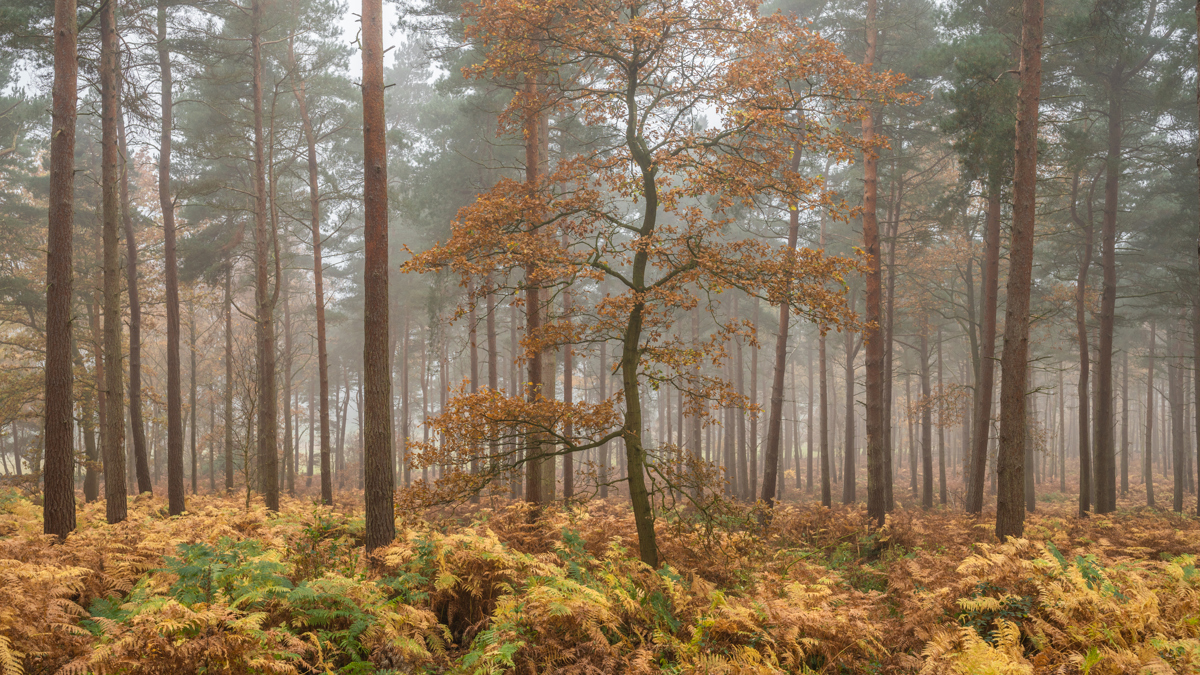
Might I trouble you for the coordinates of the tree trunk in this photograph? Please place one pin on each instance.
(752, 436)
(745, 484)
(192, 400)
(941, 426)
(1196, 308)
(114, 437)
(1148, 451)
(1105, 469)
(292, 446)
(267, 441)
(314, 206)
(377, 381)
(533, 302)
(1124, 422)
(808, 426)
(602, 393)
(985, 376)
(1085, 262)
(228, 420)
(1010, 503)
(175, 497)
(775, 418)
(926, 424)
(568, 396)
(87, 406)
(848, 487)
(137, 425)
(493, 370)
(877, 477)
(1175, 400)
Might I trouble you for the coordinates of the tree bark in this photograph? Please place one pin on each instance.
(848, 487)
(137, 425)
(114, 437)
(1175, 402)
(1085, 262)
(175, 497)
(926, 424)
(985, 373)
(775, 416)
(533, 302)
(877, 477)
(1105, 469)
(377, 382)
(267, 441)
(192, 400)
(568, 396)
(228, 420)
(1148, 451)
(1010, 502)
(941, 426)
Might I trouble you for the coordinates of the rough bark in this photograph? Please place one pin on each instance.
(228, 419)
(377, 382)
(848, 488)
(137, 425)
(175, 497)
(926, 424)
(1148, 451)
(1081, 331)
(877, 477)
(114, 437)
(1010, 499)
(192, 399)
(1105, 469)
(267, 441)
(985, 372)
(533, 301)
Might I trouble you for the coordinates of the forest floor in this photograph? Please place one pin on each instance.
(224, 589)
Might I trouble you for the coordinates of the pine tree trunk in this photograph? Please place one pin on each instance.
(877, 471)
(114, 437)
(1175, 400)
(602, 393)
(1010, 506)
(377, 381)
(568, 396)
(137, 425)
(289, 446)
(228, 420)
(1085, 262)
(493, 371)
(745, 484)
(809, 426)
(1105, 469)
(1124, 422)
(848, 487)
(985, 380)
(926, 424)
(941, 426)
(175, 496)
(192, 400)
(533, 302)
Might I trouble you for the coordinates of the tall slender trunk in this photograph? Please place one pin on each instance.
(877, 474)
(1196, 306)
(493, 369)
(312, 424)
(1148, 450)
(314, 206)
(752, 437)
(745, 483)
(941, 426)
(175, 497)
(87, 408)
(228, 419)
(1085, 262)
(1010, 503)
(1106, 474)
(1175, 401)
(926, 424)
(267, 441)
(809, 426)
(533, 303)
(377, 373)
(568, 395)
(602, 394)
(137, 425)
(290, 448)
(985, 382)
(775, 416)
(1124, 422)
(848, 487)
(192, 399)
(405, 414)
(114, 436)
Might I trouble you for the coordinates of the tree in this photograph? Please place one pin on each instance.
(878, 475)
(1010, 500)
(175, 497)
(114, 437)
(60, 491)
(637, 75)
(377, 378)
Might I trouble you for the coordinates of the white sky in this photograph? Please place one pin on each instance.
(350, 24)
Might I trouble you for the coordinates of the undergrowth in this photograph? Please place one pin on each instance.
(225, 590)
